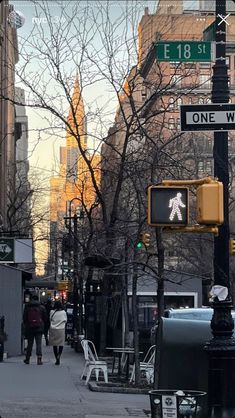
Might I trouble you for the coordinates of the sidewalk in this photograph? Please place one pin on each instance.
(49, 391)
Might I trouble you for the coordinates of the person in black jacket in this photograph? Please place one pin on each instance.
(34, 319)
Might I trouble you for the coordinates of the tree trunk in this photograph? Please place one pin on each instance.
(135, 327)
(104, 313)
(125, 299)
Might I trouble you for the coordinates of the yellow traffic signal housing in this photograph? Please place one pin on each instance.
(210, 204)
(146, 239)
(231, 246)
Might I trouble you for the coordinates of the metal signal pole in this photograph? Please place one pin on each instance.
(221, 348)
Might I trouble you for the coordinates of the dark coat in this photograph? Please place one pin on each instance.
(27, 329)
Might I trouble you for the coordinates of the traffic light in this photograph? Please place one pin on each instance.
(139, 244)
(144, 240)
(231, 246)
(168, 205)
(210, 204)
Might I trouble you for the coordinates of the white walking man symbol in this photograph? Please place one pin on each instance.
(175, 203)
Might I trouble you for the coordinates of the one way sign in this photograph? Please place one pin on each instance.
(210, 117)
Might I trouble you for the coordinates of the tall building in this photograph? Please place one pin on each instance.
(72, 189)
(22, 185)
(76, 124)
(8, 59)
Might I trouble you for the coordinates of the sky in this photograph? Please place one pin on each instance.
(36, 118)
(99, 94)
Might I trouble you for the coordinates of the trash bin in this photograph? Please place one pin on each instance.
(177, 403)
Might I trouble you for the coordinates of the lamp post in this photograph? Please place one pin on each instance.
(77, 281)
(221, 348)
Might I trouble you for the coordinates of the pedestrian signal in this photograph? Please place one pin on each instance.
(168, 205)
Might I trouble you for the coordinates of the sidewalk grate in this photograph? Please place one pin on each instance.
(138, 412)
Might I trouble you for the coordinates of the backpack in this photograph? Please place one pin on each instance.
(34, 317)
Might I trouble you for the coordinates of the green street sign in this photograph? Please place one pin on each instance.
(7, 250)
(183, 51)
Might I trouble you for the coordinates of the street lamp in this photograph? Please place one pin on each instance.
(77, 282)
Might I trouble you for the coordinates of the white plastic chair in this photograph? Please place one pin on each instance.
(147, 365)
(92, 362)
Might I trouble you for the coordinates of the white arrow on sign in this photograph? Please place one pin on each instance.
(4, 248)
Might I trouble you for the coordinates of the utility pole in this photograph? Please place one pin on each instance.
(221, 348)
(75, 274)
(77, 281)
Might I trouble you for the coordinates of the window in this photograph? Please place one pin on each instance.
(228, 60)
(179, 103)
(208, 167)
(204, 81)
(176, 80)
(201, 100)
(208, 144)
(144, 92)
(175, 64)
(190, 100)
(205, 64)
(171, 103)
(178, 124)
(171, 123)
(147, 311)
(200, 167)
(190, 65)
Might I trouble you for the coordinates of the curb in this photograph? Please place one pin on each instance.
(108, 387)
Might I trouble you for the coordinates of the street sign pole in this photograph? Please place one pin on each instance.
(221, 348)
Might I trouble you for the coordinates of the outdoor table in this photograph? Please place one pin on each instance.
(119, 351)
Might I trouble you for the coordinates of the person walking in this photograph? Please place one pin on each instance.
(34, 319)
(58, 319)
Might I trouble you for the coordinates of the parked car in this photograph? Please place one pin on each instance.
(197, 314)
(201, 314)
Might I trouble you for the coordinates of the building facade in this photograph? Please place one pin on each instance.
(72, 190)
(8, 59)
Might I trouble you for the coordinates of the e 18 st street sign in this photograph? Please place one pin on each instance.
(183, 51)
(210, 117)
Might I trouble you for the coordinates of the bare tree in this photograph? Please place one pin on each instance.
(140, 147)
